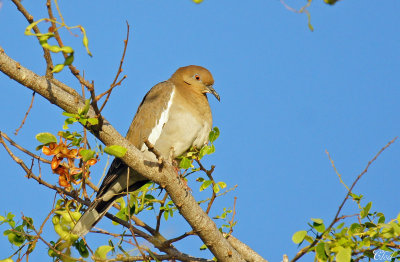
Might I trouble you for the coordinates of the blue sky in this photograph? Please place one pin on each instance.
(287, 95)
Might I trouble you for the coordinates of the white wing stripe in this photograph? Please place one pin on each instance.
(156, 131)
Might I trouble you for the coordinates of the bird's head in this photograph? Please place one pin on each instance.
(196, 77)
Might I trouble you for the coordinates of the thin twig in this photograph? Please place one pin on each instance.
(5, 136)
(209, 174)
(161, 212)
(306, 249)
(231, 223)
(116, 82)
(26, 114)
(152, 149)
(186, 234)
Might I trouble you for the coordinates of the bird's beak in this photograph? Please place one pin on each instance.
(210, 89)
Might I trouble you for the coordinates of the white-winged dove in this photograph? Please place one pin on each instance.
(173, 116)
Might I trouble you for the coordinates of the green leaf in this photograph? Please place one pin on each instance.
(93, 121)
(319, 227)
(214, 134)
(81, 247)
(340, 225)
(87, 154)
(299, 236)
(46, 138)
(354, 228)
(68, 61)
(101, 252)
(58, 68)
(222, 184)
(69, 115)
(185, 163)
(115, 150)
(317, 220)
(395, 227)
(381, 219)
(344, 255)
(205, 184)
(365, 210)
(369, 224)
(83, 111)
(7, 260)
(216, 188)
(320, 250)
(67, 49)
(203, 247)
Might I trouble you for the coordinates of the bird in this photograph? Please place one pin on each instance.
(173, 116)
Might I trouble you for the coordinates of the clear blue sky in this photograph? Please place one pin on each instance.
(287, 94)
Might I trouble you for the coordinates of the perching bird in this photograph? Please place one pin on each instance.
(173, 116)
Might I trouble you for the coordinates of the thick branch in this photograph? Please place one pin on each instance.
(247, 253)
(200, 222)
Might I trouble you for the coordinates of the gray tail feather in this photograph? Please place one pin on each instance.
(89, 219)
(97, 211)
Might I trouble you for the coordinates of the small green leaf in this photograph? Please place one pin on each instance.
(299, 236)
(205, 184)
(365, 210)
(369, 224)
(319, 227)
(67, 49)
(395, 227)
(81, 247)
(320, 250)
(83, 111)
(203, 247)
(354, 228)
(222, 184)
(115, 150)
(102, 251)
(185, 163)
(381, 219)
(69, 114)
(344, 254)
(7, 260)
(93, 121)
(87, 154)
(46, 138)
(214, 134)
(340, 225)
(216, 188)
(317, 220)
(68, 61)
(58, 68)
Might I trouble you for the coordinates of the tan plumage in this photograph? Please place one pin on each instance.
(174, 115)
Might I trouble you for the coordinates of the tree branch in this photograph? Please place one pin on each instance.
(69, 101)
(337, 218)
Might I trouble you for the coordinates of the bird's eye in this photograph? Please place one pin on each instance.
(197, 77)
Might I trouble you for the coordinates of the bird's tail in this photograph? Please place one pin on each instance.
(96, 211)
(91, 217)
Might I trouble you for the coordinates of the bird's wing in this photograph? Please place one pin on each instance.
(149, 113)
(116, 180)
(145, 119)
